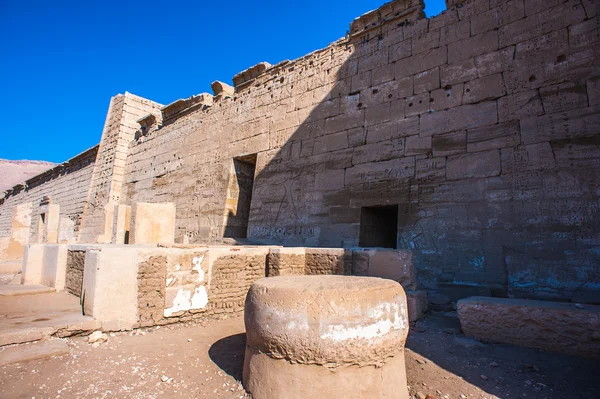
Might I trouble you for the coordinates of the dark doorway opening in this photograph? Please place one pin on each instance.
(239, 196)
(379, 226)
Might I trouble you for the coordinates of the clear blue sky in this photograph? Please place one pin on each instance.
(60, 62)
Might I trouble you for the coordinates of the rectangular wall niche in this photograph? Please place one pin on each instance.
(379, 226)
(239, 196)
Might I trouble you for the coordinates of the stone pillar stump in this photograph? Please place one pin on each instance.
(325, 337)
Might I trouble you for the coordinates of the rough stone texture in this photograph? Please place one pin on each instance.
(325, 331)
(327, 261)
(395, 265)
(286, 261)
(480, 124)
(67, 184)
(19, 231)
(553, 326)
(39, 350)
(416, 301)
(74, 274)
(151, 290)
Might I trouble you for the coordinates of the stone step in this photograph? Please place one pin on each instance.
(37, 350)
(10, 266)
(554, 326)
(30, 289)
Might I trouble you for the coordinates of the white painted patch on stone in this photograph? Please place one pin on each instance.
(377, 329)
(197, 261)
(200, 298)
(170, 280)
(181, 302)
(177, 267)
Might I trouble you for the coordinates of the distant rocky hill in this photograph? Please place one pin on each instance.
(15, 172)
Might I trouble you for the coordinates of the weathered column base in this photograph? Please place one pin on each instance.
(283, 379)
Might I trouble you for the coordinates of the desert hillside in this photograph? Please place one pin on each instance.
(14, 172)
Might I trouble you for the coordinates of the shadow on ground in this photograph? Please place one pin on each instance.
(505, 371)
(228, 354)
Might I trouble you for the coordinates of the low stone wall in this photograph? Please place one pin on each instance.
(128, 286)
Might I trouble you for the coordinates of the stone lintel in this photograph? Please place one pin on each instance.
(250, 73)
(405, 9)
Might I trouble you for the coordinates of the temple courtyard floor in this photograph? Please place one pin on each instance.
(204, 359)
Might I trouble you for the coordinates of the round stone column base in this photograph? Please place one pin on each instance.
(281, 379)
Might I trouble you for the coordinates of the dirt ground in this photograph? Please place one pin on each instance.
(204, 360)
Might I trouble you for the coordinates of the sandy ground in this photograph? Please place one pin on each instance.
(204, 360)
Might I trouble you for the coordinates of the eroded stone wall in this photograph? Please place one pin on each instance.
(481, 125)
(66, 184)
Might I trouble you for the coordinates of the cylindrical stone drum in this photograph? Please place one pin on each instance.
(325, 337)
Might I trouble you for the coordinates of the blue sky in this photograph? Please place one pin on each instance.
(61, 62)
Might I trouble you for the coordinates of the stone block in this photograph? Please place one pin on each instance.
(19, 231)
(482, 89)
(552, 326)
(393, 129)
(381, 151)
(54, 266)
(449, 96)
(473, 46)
(459, 72)
(416, 145)
(330, 180)
(110, 285)
(504, 13)
(426, 41)
(415, 105)
(583, 122)
(495, 62)
(564, 97)
(33, 264)
(391, 264)
(495, 136)
(479, 164)
(153, 223)
(427, 81)
(463, 117)
(593, 91)
(416, 302)
(430, 169)
(455, 32)
(519, 105)
(449, 144)
(395, 169)
(528, 158)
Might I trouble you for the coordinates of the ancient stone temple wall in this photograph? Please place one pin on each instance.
(105, 187)
(470, 138)
(475, 132)
(66, 185)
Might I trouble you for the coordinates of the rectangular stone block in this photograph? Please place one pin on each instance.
(495, 136)
(475, 45)
(552, 326)
(528, 158)
(416, 145)
(396, 169)
(479, 164)
(430, 169)
(495, 62)
(482, 89)
(459, 72)
(19, 230)
(427, 80)
(416, 301)
(153, 223)
(564, 97)
(393, 129)
(393, 264)
(583, 122)
(463, 117)
(286, 262)
(449, 144)
(449, 96)
(328, 261)
(519, 105)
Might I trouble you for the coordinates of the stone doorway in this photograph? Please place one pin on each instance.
(239, 196)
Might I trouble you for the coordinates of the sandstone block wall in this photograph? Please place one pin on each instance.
(479, 124)
(66, 185)
(105, 185)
